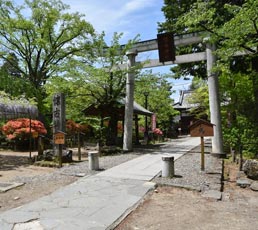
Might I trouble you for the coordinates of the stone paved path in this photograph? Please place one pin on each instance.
(96, 202)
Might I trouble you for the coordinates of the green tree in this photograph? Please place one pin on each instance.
(194, 16)
(199, 98)
(173, 10)
(159, 97)
(44, 39)
(232, 25)
(101, 85)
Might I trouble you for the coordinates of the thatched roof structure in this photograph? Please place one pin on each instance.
(12, 111)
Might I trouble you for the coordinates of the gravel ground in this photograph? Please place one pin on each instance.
(78, 169)
(188, 173)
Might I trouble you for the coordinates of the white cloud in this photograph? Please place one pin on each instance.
(135, 5)
(131, 17)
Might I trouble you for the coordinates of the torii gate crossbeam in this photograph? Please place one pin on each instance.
(150, 45)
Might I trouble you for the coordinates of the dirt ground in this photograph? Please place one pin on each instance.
(13, 164)
(17, 163)
(170, 208)
(166, 208)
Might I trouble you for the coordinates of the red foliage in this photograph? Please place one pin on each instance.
(20, 128)
(158, 132)
(141, 129)
(73, 127)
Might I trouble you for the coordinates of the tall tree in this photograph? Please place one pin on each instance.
(235, 32)
(44, 38)
(9, 76)
(232, 25)
(101, 85)
(199, 98)
(210, 15)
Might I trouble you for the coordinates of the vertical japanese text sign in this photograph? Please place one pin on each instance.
(153, 121)
(166, 47)
(58, 113)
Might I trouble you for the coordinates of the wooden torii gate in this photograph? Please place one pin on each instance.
(213, 85)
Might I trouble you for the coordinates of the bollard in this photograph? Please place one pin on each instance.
(93, 157)
(168, 166)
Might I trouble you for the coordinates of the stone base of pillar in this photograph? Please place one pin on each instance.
(93, 158)
(168, 166)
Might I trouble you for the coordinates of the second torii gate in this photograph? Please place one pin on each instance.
(213, 85)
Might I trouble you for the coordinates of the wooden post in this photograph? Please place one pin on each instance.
(201, 128)
(137, 142)
(240, 157)
(30, 144)
(60, 155)
(79, 147)
(59, 139)
(202, 154)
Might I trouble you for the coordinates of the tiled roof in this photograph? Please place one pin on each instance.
(183, 102)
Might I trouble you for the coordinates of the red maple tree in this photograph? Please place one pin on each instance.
(72, 127)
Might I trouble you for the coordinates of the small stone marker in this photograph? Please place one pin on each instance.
(254, 186)
(93, 160)
(168, 166)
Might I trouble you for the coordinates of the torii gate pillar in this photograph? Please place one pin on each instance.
(128, 120)
(214, 101)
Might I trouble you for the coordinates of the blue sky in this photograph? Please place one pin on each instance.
(130, 17)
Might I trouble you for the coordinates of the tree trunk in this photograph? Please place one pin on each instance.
(255, 87)
(112, 129)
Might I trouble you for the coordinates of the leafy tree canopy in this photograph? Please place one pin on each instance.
(159, 91)
(44, 37)
(101, 84)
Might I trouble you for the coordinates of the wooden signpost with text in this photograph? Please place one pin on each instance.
(59, 139)
(201, 128)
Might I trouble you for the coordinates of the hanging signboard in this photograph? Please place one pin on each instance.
(35, 134)
(59, 138)
(166, 47)
(201, 128)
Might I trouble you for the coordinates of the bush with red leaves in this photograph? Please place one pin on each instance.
(21, 128)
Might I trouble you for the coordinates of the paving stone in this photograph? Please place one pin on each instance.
(243, 182)
(212, 194)
(31, 225)
(5, 186)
